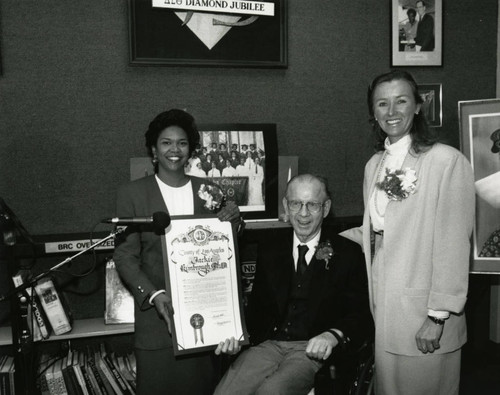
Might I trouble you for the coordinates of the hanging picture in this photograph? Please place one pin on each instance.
(417, 32)
(432, 96)
(480, 132)
(235, 33)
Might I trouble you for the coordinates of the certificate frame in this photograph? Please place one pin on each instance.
(479, 122)
(403, 55)
(203, 279)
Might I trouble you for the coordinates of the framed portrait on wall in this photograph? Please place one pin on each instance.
(432, 106)
(235, 33)
(480, 138)
(241, 158)
(417, 32)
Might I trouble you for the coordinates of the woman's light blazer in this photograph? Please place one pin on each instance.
(427, 245)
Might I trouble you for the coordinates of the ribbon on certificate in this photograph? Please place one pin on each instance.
(197, 322)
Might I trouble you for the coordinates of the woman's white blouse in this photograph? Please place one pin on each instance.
(393, 158)
(179, 201)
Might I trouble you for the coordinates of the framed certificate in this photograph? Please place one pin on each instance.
(202, 274)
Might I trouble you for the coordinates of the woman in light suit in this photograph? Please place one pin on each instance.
(419, 208)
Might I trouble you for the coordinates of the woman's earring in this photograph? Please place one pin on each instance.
(154, 160)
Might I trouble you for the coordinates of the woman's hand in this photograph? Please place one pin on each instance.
(230, 212)
(165, 309)
(428, 336)
(229, 346)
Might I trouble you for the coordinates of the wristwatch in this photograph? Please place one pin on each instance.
(437, 321)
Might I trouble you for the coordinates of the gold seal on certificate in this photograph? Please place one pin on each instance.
(197, 322)
(203, 278)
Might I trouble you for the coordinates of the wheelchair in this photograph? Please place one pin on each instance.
(347, 373)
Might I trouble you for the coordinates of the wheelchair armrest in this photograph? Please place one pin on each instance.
(339, 372)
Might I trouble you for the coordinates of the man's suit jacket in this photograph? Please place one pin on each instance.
(425, 33)
(426, 248)
(338, 295)
(138, 255)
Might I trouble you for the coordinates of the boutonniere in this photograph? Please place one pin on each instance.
(212, 195)
(398, 184)
(324, 251)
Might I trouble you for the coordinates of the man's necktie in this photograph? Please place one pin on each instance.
(301, 263)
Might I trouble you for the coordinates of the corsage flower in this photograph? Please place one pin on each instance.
(324, 251)
(212, 195)
(399, 184)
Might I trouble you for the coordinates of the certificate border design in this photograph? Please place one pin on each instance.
(204, 222)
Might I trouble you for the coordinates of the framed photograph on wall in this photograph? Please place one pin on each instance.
(432, 106)
(242, 159)
(480, 141)
(236, 33)
(417, 32)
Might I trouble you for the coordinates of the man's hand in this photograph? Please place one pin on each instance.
(320, 347)
(428, 336)
(230, 212)
(164, 308)
(229, 346)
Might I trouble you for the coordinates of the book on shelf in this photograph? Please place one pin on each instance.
(124, 370)
(119, 307)
(88, 377)
(7, 375)
(91, 362)
(69, 376)
(36, 319)
(131, 364)
(54, 308)
(103, 366)
(49, 376)
(59, 385)
(44, 364)
(77, 369)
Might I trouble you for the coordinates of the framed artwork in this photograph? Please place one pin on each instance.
(432, 106)
(242, 159)
(417, 33)
(236, 33)
(480, 140)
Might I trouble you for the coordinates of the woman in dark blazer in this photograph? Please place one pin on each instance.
(170, 139)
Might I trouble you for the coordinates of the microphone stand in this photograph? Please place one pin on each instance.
(20, 338)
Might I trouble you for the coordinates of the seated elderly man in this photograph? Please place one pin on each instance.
(309, 297)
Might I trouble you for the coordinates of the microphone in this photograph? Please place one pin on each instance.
(160, 220)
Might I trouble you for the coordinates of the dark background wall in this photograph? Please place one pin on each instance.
(72, 112)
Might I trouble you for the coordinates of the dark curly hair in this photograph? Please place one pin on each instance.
(173, 117)
(421, 134)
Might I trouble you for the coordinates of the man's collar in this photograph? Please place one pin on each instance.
(311, 243)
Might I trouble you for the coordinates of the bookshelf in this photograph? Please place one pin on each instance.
(90, 324)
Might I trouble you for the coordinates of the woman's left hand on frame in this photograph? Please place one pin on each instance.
(230, 212)
(428, 336)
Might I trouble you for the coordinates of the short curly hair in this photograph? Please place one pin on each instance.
(172, 117)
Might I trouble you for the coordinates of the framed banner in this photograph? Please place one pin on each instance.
(417, 32)
(202, 274)
(432, 106)
(235, 33)
(480, 134)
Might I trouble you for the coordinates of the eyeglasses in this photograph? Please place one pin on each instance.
(312, 207)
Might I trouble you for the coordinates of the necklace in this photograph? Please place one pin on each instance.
(377, 191)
